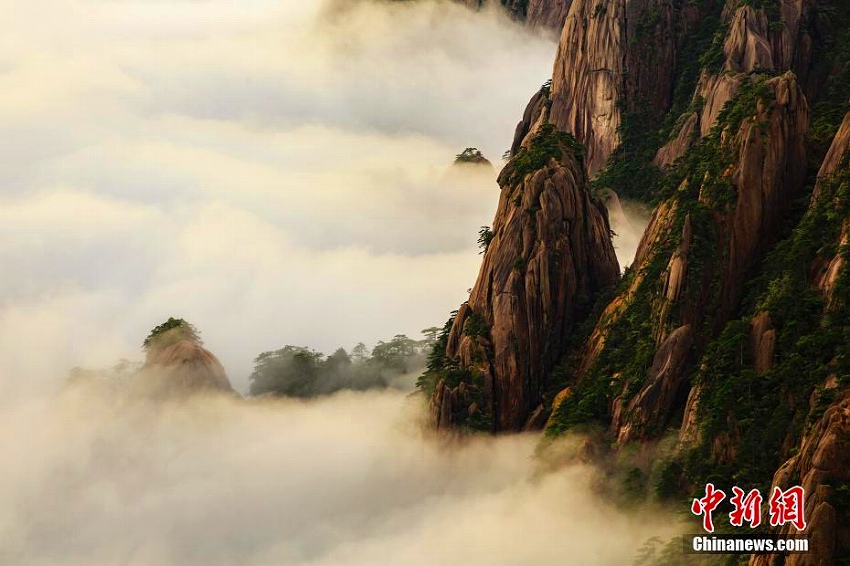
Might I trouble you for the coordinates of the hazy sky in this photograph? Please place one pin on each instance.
(273, 171)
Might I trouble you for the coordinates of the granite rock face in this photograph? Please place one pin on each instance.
(177, 366)
(587, 80)
(741, 146)
(765, 174)
(550, 255)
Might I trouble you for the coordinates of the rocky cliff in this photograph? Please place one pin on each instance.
(728, 334)
(818, 457)
(548, 255)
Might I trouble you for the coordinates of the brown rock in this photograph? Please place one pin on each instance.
(550, 255)
(716, 91)
(840, 145)
(536, 114)
(586, 81)
(747, 47)
(827, 276)
(653, 406)
(823, 461)
(180, 368)
(762, 343)
(676, 148)
(550, 14)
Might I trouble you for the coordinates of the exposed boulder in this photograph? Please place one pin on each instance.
(177, 364)
(181, 368)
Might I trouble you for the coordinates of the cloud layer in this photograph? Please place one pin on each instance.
(275, 172)
(349, 479)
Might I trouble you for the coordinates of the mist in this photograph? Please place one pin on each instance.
(275, 172)
(629, 220)
(91, 477)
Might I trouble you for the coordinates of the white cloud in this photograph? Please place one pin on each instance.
(346, 480)
(275, 172)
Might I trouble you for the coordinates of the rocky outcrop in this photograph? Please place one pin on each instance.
(650, 410)
(821, 460)
(837, 151)
(687, 134)
(613, 57)
(549, 256)
(180, 368)
(587, 80)
(680, 340)
(770, 172)
(821, 466)
(756, 41)
(827, 272)
(536, 116)
(550, 14)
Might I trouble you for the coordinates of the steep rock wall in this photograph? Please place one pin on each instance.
(550, 255)
(693, 261)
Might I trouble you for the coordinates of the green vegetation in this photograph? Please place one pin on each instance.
(436, 362)
(440, 367)
(630, 172)
(485, 236)
(812, 343)
(171, 331)
(475, 325)
(471, 155)
(770, 8)
(517, 8)
(623, 364)
(712, 59)
(647, 24)
(295, 371)
(830, 30)
(549, 143)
